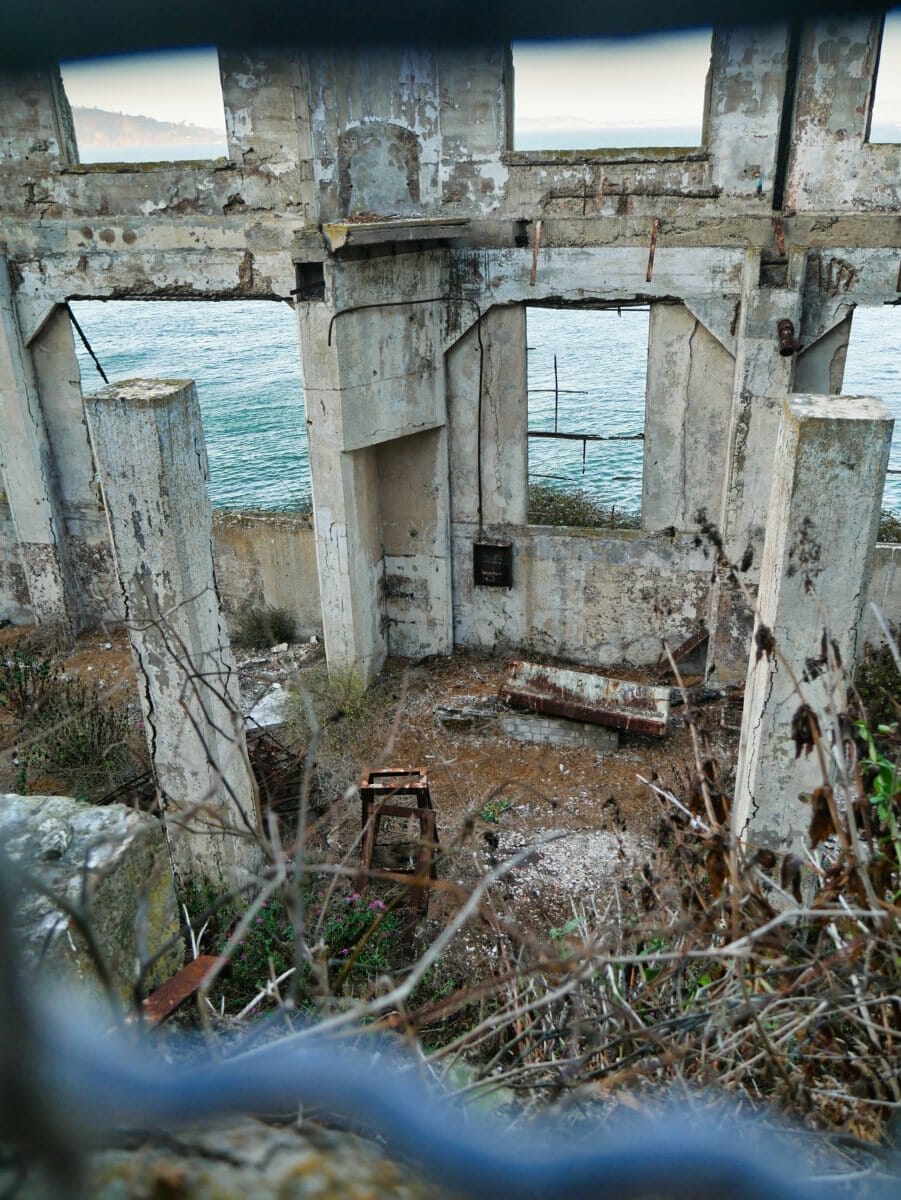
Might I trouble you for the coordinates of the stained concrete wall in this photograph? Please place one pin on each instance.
(596, 597)
(268, 560)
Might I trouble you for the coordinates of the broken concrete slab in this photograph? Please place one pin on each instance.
(582, 696)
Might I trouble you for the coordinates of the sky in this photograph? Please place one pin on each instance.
(648, 81)
(657, 80)
(179, 86)
(887, 102)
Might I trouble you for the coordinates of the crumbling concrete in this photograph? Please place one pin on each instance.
(149, 448)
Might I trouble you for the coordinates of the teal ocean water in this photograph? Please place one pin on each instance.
(245, 358)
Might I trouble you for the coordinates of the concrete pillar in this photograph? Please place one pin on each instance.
(505, 448)
(346, 512)
(88, 547)
(762, 378)
(831, 459)
(686, 423)
(148, 445)
(29, 476)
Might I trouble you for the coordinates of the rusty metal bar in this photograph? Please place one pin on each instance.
(536, 243)
(788, 343)
(780, 236)
(184, 983)
(586, 437)
(655, 229)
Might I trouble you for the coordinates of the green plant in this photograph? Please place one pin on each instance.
(26, 680)
(267, 948)
(259, 628)
(494, 809)
(889, 527)
(362, 927)
(356, 932)
(82, 739)
(882, 780)
(878, 686)
(571, 506)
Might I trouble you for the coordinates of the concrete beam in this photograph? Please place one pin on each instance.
(148, 445)
(831, 459)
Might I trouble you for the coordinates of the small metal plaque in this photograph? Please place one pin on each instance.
(492, 564)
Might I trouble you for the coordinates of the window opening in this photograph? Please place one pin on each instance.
(871, 369)
(587, 379)
(147, 107)
(610, 92)
(244, 357)
(885, 118)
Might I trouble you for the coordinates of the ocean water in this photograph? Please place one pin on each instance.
(156, 152)
(244, 356)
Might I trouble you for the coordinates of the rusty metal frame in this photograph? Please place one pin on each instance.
(379, 792)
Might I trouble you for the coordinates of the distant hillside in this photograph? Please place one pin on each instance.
(95, 127)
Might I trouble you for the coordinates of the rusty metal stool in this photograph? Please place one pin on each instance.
(379, 795)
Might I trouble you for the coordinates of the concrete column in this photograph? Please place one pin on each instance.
(148, 445)
(831, 459)
(88, 547)
(762, 378)
(505, 449)
(346, 512)
(29, 476)
(686, 422)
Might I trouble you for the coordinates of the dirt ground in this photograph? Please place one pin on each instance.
(492, 795)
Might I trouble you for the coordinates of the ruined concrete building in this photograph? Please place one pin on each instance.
(381, 194)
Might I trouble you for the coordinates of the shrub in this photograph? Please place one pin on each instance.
(878, 687)
(572, 506)
(82, 740)
(26, 680)
(259, 628)
(889, 527)
(357, 933)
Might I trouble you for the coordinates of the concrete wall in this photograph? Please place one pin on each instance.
(268, 560)
(595, 597)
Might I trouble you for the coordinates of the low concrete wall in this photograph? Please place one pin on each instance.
(588, 595)
(268, 560)
(885, 591)
(594, 596)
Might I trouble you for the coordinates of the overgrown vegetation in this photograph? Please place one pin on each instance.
(877, 693)
(27, 678)
(260, 628)
(83, 740)
(65, 730)
(550, 505)
(331, 710)
(354, 936)
(889, 527)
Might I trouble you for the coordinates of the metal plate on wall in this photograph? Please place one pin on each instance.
(492, 564)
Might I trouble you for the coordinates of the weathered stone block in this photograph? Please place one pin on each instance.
(112, 861)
